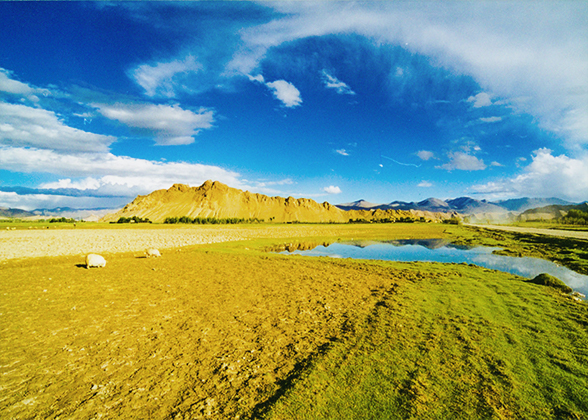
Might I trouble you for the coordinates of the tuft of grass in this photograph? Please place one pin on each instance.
(548, 280)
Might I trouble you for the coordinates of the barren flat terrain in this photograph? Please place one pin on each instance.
(27, 243)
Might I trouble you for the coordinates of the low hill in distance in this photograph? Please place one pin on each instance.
(217, 200)
(551, 212)
(8, 213)
(478, 211)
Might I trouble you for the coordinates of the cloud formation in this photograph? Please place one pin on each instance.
(546, 176)
(12, 86)
(518, 51)
(332, 82)
(425, 154)
(424, 184)
(342, 152)
(110, 175)
(286, 92)
(170, 125)
(462, 162)
(480, 100)
(331, 189)
(491, 119)
(24, 126)
(162, 79)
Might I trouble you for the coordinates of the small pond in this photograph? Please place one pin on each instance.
(438, 250)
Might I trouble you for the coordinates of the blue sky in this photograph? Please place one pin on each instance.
(337, 102)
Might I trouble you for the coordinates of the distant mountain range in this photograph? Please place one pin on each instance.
(214, 199)
(461, 205)
(93, 214)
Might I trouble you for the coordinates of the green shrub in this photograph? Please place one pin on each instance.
(545, 279)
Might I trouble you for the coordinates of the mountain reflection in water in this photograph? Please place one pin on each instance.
(439, 250)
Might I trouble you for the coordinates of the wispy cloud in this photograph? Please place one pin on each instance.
(9, 84)
(163, 79)
(332, 82)
(331, 189)
(425, 184)
(286, 92)
(518, 51)
(400, 163)
(342, 152)
(462, 162)
(24, 126)
(169, 125)
(546, 176)
(491, 119)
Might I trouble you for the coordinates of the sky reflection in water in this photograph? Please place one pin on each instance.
(436, 250)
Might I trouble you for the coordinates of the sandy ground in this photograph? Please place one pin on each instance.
(61, 242)
(195, 334)
(548, 232)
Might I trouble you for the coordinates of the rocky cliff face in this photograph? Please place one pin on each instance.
(217, 200)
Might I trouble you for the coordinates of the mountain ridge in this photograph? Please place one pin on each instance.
(217, 200)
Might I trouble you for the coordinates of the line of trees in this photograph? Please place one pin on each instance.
(575, 217)
(209, 220)
(134, 219)
(62, 220)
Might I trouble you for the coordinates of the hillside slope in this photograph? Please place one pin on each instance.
(217, 200)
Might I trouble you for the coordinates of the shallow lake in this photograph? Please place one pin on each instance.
(437, 250)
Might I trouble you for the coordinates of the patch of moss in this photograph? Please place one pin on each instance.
(545, 279)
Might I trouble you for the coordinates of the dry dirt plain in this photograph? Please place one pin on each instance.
(201, 332)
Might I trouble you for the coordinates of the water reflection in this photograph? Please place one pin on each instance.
(439, 250)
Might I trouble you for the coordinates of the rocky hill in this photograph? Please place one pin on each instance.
(217, 200)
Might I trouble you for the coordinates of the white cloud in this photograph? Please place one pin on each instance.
(23, 126)
(496, 164)
(425, 154)
(491, 119)
(342, 152)
(82, 184)
(331, 189)
(170, 125)
(108, 169)
(12, 86)
(332, 82)
(530, 54)
(286, 92)
(425, 184)
(162, 79)
(480, 100)
(463, 162)
(49, 201)
(259, 78)
(546, 176)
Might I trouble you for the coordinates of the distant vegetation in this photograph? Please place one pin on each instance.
(389, 220)
(62, 220)
(134, 219)
(209, 220)
(575, 217)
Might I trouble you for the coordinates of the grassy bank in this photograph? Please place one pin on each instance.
(226, 330)
(453, 342)
(569, 252)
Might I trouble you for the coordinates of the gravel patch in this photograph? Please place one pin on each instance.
(58, 242)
